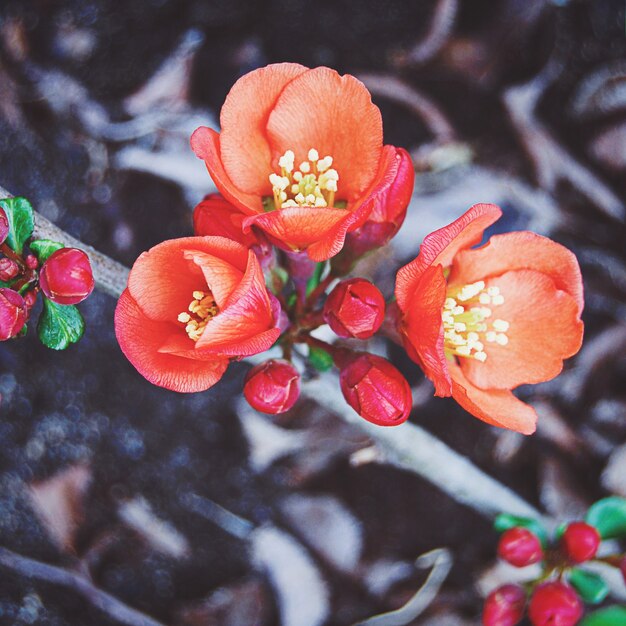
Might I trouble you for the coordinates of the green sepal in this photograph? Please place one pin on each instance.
(43, 248)
(590, 587)
(505, 521)
(315, 279)
(560, 529)
(608, 516)
(610, 616)
(320, 359)
(21, 221)
(59, 325)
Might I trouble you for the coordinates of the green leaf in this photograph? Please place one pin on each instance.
(21, 221)
(609, 517)
(43, 248)
(560, 529)
(314, 281)
(504, 521)
(59, 325)
(611, 616)
(320, 359)
(590, 587)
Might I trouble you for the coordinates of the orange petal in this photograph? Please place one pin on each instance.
(222, 277)
(140, 338)
(441, 246)
(244, 146)
(544, 330)
(162, 279)
(422, 328)
(521, 250)
(494, 406)
(295, 228)
(205, 142)
(333, 114)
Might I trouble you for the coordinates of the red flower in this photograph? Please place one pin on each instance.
(507, 314)
(301, 155)
(191, 306)
(66, 276)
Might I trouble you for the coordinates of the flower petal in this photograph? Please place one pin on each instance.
(441, 246)
(521, 250)
(215, 216)
(544, 329)
(140, 338)
(205, 142)
(244, 147)
(221, 277)
(335, 115)
(497, 407)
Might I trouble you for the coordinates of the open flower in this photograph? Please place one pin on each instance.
(301, 155)
(191, 306)
(482, 321)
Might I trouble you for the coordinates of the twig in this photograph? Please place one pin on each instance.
(54, 575)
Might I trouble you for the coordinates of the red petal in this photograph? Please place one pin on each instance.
(140, 338)
(495, 406)
(334, 114)
(544, 330)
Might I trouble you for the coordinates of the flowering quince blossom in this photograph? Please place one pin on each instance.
(190, 307)
(482, 321)
(300, 154)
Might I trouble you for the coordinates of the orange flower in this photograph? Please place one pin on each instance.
(507, 314)
(191, 306)
(301, 155)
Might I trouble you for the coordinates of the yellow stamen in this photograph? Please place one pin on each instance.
(203, 307)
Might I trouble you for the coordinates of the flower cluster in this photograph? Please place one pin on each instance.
(558, 592)
(29, 266)
(306, 188)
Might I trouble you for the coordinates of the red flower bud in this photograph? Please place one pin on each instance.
(4, 226)
(12, 313)
(555, 604)
(8, 269)
(66, 276)
(504, 606)
(355, 308)
(272, 387)
(375, 389)
(31, 262)
(519, 547)
(580, 542)
(30, 297)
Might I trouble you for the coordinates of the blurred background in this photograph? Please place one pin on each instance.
(155, 497)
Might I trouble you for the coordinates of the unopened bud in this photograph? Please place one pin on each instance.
(9, 269)
(355, 308)
(4, 226)
(520, 547)
(30, 297)
(31, 262)
(504, 606)
(13, 313)
(580, 542)
(555, 603)
(375, 389)
(66, 276)
(272, 387)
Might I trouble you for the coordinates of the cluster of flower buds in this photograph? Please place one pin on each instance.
(308, 190)
(28, 267)
(565, 584)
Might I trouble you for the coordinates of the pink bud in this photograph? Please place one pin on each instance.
(355, 308)
(580, 541)
(519, 547)
(272, 387)
(504, 606)
(13, 313)
(30, 297)
(375, 389)
(66, 276)
(4, 226)
(9, 269)
(31, 262)
(555, 603)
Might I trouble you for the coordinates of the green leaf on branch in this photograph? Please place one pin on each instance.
(590, 587)
(609, 517)
(610, 616)
(314, 281)
(21, 221)
(505, 521)
(43, 248)
(59, 325)
(320, 359)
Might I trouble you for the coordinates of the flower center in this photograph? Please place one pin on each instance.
(201, 309)
(467, 324)
(313, 184)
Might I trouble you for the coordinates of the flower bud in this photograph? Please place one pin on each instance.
(519, 547)
(355, 308)
(375, 389)
(4, 226)
(580, 542)
(13, 313)
(9, 269)
(555, 603)
(272, 387)
(622, 568)
(66, 276)
(30, 297)
(504, 606)
(31, 262)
